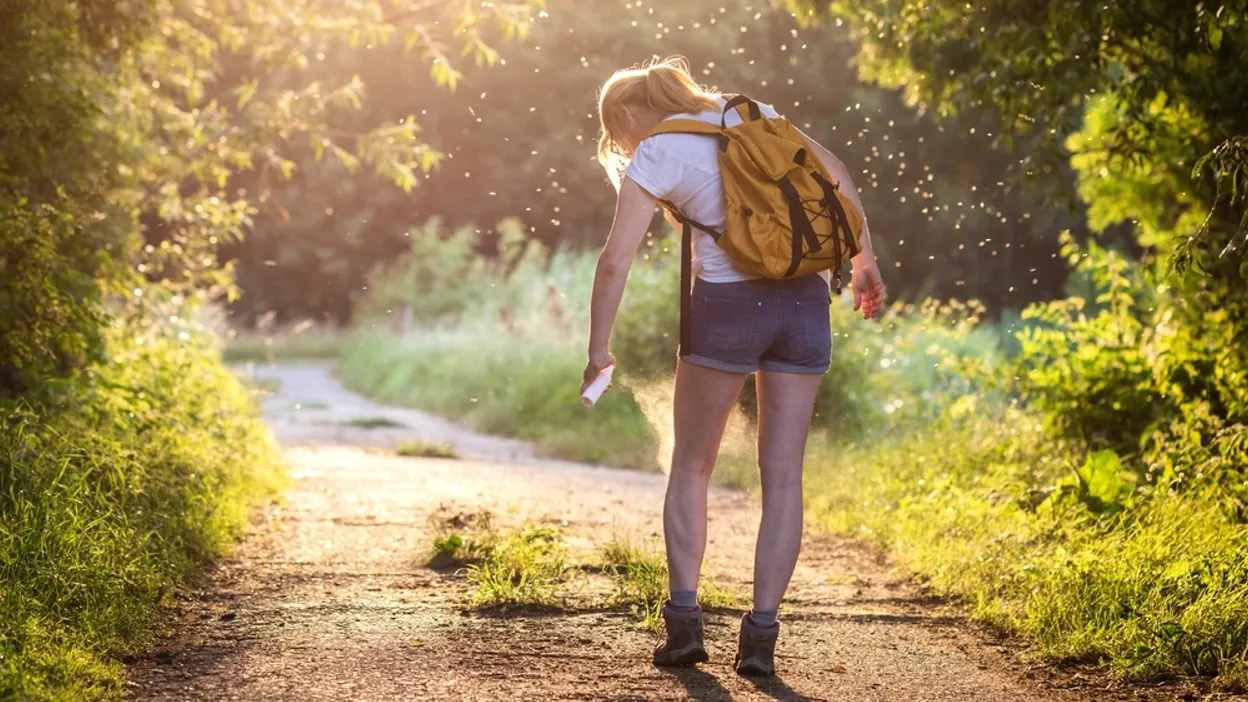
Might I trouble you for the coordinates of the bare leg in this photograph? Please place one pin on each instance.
(785, 404)
(704, 398)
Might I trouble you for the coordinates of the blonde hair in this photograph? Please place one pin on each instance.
(663, 86)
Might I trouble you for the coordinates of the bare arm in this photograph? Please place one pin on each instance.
(634, 208)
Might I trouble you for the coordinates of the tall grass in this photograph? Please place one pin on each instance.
(508, 363)
(502, 384)
(112, 496)
(976, 506)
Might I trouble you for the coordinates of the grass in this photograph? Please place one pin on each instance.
(421, 449)
(1157, 590)
(508, 362)
(530, 565)
(639, 575)
(374, 423)
(527, 388)
(109, 500)
(525, 565)
(297, 343)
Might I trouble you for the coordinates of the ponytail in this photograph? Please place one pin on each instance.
(663, 86)
(671, 90)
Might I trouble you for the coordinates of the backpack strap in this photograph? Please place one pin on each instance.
(690, 126)
(686, 269)
(685, 126)
(747, 108)
(685, 221)
(686, 288)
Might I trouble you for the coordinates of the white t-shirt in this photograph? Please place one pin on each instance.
(684, 170)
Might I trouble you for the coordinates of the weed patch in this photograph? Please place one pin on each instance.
(421, 449)
(525, 566)
(461, 539)
(374, 423)
(639, 575)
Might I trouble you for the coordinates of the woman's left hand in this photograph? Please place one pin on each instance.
(868, 289)
(597, 364)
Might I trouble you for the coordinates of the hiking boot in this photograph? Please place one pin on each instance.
(756, 649)
(684, 644)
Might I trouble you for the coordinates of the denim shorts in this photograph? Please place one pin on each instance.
(762, 324)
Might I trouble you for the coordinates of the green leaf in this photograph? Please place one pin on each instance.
(1104, 483)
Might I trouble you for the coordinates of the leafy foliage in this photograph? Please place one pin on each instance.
(1084, 364)
(1147, 102)
(55, 242)
(171, 119)
(442, 274)
(110, 499)
(1040, 537)
(135, 139)
(238, 93)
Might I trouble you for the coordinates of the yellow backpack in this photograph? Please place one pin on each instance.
(783, 216)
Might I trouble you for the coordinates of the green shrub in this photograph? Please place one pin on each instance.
(443, 274)
(58, 248)
(50, 316)
(109, 498)
(1084, 364)
(1140, 371)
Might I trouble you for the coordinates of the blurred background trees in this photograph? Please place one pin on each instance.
(518, 140)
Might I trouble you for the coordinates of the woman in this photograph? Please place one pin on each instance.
(778, 329)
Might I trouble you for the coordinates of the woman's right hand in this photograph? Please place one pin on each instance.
(596, 365)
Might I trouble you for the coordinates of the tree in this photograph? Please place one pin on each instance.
(1143, 90)
(1148, 102)
(140, 117)
(57, 238)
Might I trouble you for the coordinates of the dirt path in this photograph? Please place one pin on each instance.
(330, 600)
